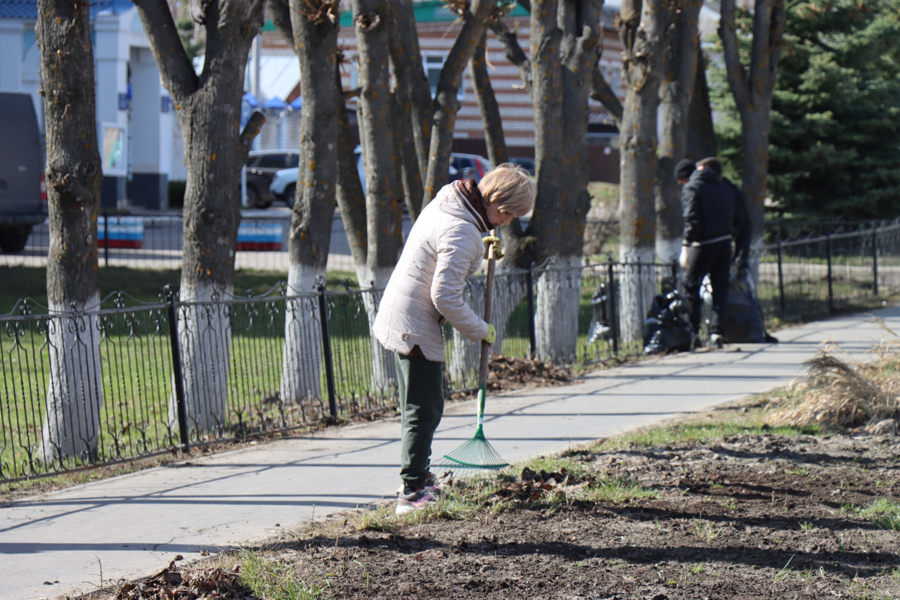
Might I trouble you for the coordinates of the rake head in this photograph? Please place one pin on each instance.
(476, 454)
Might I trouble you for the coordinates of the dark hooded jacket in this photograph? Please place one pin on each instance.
(711, 213)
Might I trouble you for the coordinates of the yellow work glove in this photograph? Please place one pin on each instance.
(491, 336)
(492, 240)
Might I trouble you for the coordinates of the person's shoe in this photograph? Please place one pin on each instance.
(696, 344)
(716, 341)
(413, 500)
(430, 481)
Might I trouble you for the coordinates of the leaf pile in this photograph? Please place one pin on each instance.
(533, 485)
(174, 584)
(506, 373)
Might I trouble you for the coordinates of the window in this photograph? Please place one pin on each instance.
(271, 161)
(433, 64)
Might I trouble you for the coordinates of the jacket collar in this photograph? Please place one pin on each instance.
(473, 202)
(706, 175)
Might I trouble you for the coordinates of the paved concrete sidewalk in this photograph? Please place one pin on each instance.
(69, 542)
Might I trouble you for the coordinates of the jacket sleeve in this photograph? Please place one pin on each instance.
(691, 208)
(458, 254)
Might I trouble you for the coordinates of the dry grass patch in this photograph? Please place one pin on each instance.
(842, 394)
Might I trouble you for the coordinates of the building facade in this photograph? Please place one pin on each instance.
(277, 73)
(134, 113)
(138, 130)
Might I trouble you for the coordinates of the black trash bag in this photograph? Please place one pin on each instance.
(600, 328)
(743, 315)
(669, 329)
(653, 322)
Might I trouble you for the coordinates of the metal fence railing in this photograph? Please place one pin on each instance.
(127, 381)
(824, 273)
(154, 241)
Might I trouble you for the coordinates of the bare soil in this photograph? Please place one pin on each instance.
(747, 516)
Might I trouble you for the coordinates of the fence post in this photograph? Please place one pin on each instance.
(875, 260)
(830, 286)
(177, 373)
(532, 337)
(613, 314)
(105, 238)
(781, 300)
(326, 347)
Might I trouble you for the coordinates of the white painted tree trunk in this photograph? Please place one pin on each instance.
(204, 337)
(509, 289)
(637, 287)
(556, 310)
(301, 364)
(384, 371)
(71, 427)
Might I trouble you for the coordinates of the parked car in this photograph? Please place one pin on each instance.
(284, 186)
(526, 163)
(284, 182)
(469, 166)
(23, 192)
(261, 167)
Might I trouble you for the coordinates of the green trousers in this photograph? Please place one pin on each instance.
(421, 386)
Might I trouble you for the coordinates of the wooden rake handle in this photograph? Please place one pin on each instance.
(488, 296)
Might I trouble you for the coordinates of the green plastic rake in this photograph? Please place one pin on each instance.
(478, 453)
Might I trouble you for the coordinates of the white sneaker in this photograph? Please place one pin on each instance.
(415, 500)
(430, 481)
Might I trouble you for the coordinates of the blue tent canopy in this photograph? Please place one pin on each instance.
(274, 102)
(251, 99)
(298, 103)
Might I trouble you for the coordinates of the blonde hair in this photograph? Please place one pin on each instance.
(510, 188)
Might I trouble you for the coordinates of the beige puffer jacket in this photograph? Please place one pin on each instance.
(443, 248)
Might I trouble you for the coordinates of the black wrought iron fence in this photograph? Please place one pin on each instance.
(90, 388)
(828, 272)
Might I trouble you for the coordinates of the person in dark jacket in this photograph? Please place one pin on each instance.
(714, 216)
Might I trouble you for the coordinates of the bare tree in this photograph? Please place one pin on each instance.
(565, 48)
(412, 102)
(208, 104)
(487, 103)
(372, 220)
(446, 99)
(565, 45)
(73, 173)
(701, 137)
(752, 87)
(311, 28)
(679, 70)
(641, 29)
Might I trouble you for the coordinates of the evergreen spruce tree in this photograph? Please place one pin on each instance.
(834, 149)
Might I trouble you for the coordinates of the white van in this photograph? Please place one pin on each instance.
(23, 195)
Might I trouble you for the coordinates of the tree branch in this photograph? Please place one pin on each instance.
(737, 76)
(174, 64)
(513, 50)
(251, 130)
(279, 12)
